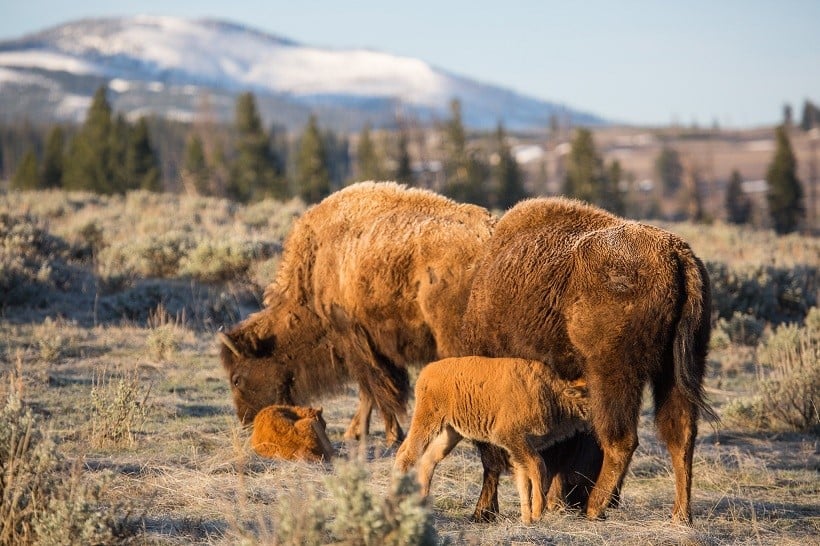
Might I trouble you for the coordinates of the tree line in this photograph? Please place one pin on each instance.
(245, 162)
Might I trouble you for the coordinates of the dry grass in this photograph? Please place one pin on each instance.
(190, 478)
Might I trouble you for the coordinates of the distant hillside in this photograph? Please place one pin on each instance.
(168, 66)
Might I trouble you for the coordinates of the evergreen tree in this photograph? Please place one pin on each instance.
(337, 153)
(26, 176)
(122, 178)
(404, 168)
(508, 179)
(738, 204)
(584, 176)
(312, 172)
(613, 199)
(141, 165)
(255, 172)
(52, 168)
(811, 116)
(465, 172)
(368, 161)
(90, 161)
(195, 167)
(670, 171)
(785, 196)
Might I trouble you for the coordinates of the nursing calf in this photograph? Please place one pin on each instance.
(519, 405)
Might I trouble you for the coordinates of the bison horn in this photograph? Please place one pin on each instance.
(228, 342)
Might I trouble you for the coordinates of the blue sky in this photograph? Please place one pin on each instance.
(731, 61)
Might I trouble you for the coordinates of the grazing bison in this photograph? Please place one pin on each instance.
(519, 405)
(619, 303)
(291, 432)
(372, 279)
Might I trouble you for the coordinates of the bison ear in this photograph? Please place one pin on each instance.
(576, 389)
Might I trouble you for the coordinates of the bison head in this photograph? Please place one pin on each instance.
(269, 359)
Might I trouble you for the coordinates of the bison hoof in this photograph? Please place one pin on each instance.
(484, 516)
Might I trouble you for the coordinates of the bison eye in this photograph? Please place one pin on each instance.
(237, 381)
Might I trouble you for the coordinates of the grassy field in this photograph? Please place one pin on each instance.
(109, 308)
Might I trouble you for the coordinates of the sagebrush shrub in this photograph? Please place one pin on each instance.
(355, 515)
(790, 386)
(119, 408)
(43, 501)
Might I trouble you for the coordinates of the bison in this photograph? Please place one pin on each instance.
(519, 405)
(617, 302)
(291, 432)
(372, 279)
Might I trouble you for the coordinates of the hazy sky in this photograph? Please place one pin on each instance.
(737, 62)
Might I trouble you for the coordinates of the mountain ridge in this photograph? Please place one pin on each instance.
(165, 65)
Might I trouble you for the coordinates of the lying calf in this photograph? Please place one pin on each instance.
(291, 432)
(519, 405)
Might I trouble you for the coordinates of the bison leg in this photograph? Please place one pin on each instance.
(494, 461)
(676, 419)
(615, 411)
(392, 429)
(359, 426)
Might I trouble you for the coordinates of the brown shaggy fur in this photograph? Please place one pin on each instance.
(519, 405)
(291, 432)
(617, 302)
(373, 279)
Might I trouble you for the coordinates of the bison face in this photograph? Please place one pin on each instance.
(257, 377)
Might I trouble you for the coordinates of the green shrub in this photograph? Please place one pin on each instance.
(741, 328)
(771, 294)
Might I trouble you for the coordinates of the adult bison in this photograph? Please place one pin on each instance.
(620, 303)
(372, 279)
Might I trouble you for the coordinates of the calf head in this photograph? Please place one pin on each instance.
(575, 398)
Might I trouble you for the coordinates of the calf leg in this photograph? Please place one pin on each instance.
(439, 448)
(676, 419)
(531, 479)
(494, 460)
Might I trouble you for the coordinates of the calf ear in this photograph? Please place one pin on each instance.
(576, 389)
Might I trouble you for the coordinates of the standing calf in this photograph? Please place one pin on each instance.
(519, 405)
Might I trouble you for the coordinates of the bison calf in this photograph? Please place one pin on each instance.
(519, 405)
(291, 432)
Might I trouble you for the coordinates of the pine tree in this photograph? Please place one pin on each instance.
(141, 165)
(255, 173)
(738, 204)
(52, 168)
(312, 172)
(26, 176)
(465, 171)
(404, 168)
(584, 177)
(785, 196)
(508, 179)
(195, 167)
(612, 199)
(670, 171)
(121, 178)
(90, 159)
(368, 162)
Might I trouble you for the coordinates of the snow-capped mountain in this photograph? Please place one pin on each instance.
(167, 65)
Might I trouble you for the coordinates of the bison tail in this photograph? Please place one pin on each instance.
(691, 341)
